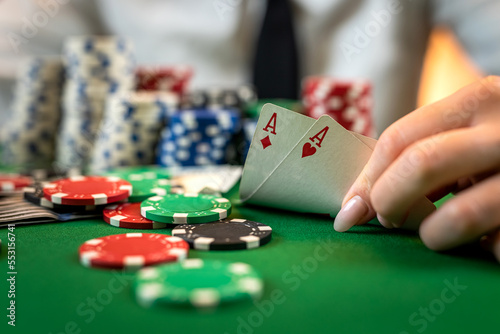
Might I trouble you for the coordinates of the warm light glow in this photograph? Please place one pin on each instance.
(446, 68)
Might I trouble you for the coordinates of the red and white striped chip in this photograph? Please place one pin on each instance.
(128, 215)
(132, 250)
(87, 190)
(11, 182)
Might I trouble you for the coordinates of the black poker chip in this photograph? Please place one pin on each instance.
(34, 194)
(227, 234)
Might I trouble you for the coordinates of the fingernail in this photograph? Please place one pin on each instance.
(351, 214)
(384, 222)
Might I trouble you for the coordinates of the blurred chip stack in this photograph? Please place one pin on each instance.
(173, 79)
(347, 102)
(130, 130)
(219, 98)
(198, 137)
(28, 135)
(249, 126)
(96, 68)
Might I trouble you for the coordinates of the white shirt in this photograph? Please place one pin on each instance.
(383, 41)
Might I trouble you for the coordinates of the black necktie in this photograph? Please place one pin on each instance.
(275, 71)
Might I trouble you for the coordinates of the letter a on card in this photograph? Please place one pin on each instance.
(278, 131)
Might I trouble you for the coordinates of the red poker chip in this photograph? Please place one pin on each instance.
(10, 182)
(164, 78)
(128, 215)
(132, 250)
(87, 190)
(349, 102)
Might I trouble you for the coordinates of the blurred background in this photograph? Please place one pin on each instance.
(104, 84)
(447, 67)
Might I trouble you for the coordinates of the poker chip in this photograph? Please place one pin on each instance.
(229, 234)
(146, 183)
(252, 110)
(186, 208)
(198, 137)
(164, 78)
(34, 194)
(349, 102)
(46, 174)
(132, 250)
(219, 98)
(150, 172)
(96, 68)
(12, 182)
(249, 127)
(148, 188)
(128, 215)
(30, 127)
(199, 283)
(87, 190)
(131, 127)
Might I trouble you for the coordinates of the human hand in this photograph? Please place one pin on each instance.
(452, 145)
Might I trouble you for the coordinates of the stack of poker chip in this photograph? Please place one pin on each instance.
(173, 79)
(13, 183)
(249, 126)
(219, 98)
(198, 137)
(347, 102)
(96, 68)
(29, 133)
(130, 130)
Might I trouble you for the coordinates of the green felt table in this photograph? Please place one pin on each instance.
(368, 280)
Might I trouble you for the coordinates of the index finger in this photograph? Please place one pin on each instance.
(456, 111)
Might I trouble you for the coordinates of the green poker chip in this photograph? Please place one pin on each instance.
(146, 182)
(253, 110)
(186, 208)
(144, 189)
(151, 172)
(196, 282)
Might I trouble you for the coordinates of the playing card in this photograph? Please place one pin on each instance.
(368, 141)
(277, 132)
(318, 171)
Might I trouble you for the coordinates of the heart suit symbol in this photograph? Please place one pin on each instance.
(308, 150)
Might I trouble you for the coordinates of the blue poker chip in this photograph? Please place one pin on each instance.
(198, 137)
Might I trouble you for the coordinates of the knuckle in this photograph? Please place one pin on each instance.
(422, 161)
(492, 83)
(463, 217)
(389, 142)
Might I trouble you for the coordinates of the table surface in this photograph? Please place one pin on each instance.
(368, 280)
